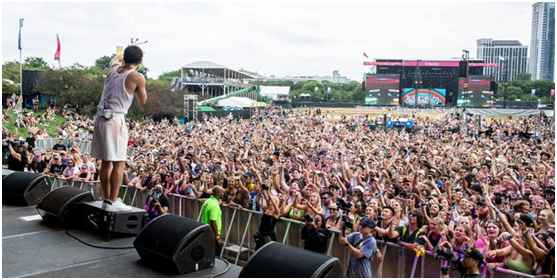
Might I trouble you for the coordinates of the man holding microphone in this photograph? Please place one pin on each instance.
(110, 135)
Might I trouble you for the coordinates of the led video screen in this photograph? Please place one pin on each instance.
(476, 94)
(382, 90)
(430, 97)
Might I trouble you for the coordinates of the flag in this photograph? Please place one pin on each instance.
(57, 54)
(19, 37)
(533, 91)
(552, 92)
(365, 55)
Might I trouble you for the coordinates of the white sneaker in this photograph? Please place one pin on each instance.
(117, 206)
(105, 204)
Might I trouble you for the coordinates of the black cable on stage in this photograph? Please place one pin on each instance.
(95, 246)
(226, 270)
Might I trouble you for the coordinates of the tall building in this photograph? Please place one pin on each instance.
(514, 54)
(542, 44)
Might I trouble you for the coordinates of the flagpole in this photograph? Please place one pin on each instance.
(20, 60)
(20, 75)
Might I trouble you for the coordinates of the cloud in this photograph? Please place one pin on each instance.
(273, 38)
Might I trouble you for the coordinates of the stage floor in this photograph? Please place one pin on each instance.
(32, 247)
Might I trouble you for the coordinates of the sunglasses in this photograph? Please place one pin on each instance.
(412, 215)
(141, 170)
(333, 209)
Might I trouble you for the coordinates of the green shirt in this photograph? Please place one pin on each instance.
(478, 275)
(211, 212)
(410, 237)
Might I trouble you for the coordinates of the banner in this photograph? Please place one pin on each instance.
(19, 37)
(57, 54)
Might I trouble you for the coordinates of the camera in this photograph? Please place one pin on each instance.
(453, 263)
(308, 218)
(157, 193)
(264, 187)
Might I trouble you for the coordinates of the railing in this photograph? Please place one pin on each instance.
(47, 143)
(239, 225)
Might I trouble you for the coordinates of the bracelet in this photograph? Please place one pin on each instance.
(346, 245)
(498, 212)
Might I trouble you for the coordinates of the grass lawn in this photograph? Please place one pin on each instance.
(22, 131)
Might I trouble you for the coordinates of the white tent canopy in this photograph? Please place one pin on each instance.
(508, 112)
(236, 101)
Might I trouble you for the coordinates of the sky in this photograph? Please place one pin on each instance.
(279, 38)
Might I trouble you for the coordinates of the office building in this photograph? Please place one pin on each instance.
(542, 44)
(511, 56)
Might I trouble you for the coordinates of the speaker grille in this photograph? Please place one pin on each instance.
(176, 244)
(277, 260)
(23, 188)
(171, 225)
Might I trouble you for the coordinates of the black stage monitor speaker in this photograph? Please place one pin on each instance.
(61, 206)
(126, 222)
(276, 260)
(174, 244)
(6, 172)
(23, 188)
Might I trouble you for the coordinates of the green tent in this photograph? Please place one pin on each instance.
(206, 109)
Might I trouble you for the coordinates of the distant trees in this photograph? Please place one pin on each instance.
(522, 89)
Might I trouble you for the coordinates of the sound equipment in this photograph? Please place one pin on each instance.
(276, 260)
(463, 69)
(30, 79)
(493, 87)
(176, 244)
(23, 188)
(126, 222)
(62, 206)
(6, 172)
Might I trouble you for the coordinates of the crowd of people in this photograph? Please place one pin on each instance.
(431, 187)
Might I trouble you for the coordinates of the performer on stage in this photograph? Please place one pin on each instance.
(110, 135)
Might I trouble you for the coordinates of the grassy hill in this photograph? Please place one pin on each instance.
(22, 131)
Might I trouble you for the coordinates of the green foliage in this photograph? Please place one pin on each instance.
(35, 63)
(522, 89)
(10, 71)
(9, 87)
(168, 76)
(523, 77)
(103, 62)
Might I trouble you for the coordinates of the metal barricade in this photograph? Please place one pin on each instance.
(239, 225)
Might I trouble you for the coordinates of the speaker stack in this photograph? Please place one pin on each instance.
(276, 260)
(23, 188)
(170, 243)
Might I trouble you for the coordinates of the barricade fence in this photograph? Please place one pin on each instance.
(41, 145)
(239, 226)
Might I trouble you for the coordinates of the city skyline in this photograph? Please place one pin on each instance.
(280, 39)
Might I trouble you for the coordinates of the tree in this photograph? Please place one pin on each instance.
(8, 87)
(10, 71)
(168, 76)
(103, 62)
(35, 63)
(523, 77)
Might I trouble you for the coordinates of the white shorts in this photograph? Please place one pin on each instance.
(110, 138)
